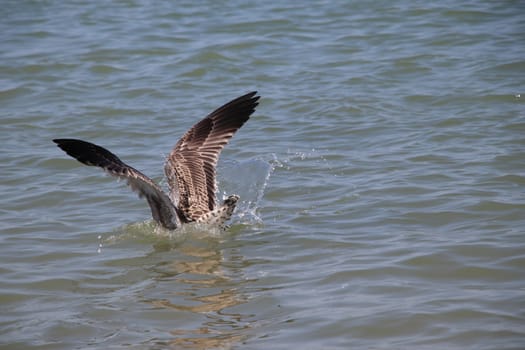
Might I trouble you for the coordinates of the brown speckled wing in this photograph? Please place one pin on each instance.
(162, 208)
(190, 167)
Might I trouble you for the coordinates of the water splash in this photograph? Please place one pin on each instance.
(248, 179)
(100, 244)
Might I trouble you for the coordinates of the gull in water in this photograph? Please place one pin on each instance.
(190, 168)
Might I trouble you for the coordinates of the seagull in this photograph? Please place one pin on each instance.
(190, 168)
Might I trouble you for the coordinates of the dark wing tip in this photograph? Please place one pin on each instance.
(71, 143)
(73, 147)
(250, 99)
(87, 153)
(237, 111)
(60, 142)
(252, 94)
(254, 100)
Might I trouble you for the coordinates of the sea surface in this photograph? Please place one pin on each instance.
(382, 177)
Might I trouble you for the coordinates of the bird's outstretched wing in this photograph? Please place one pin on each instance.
(162, 208)
(190, 167)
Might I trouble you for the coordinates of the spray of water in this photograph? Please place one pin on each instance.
(248, 179)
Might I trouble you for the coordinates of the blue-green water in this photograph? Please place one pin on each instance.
(382, 177)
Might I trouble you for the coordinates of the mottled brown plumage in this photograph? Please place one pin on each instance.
(190, 167)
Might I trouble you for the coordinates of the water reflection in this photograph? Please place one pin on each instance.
(208, 284)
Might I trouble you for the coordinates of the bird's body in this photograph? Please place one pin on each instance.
(190, 168)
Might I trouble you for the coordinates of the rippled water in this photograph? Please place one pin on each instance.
(382, 176)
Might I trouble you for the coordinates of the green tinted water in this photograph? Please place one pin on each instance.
(382, 177)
